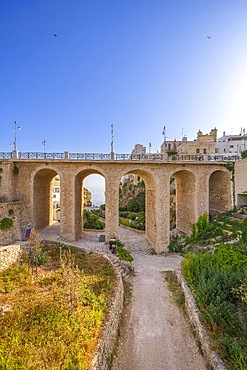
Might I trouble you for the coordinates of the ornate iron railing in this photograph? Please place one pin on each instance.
(4, 155)
(40, 155)
(90, 156)
(119, 157)
(139, 157)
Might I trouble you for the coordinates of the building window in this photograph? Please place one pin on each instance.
(231, 146)
(197, 151)
(204, 151)
(169, 146)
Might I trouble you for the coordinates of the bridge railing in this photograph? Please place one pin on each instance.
(119, 157)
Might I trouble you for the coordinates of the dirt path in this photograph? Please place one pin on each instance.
(157, 336)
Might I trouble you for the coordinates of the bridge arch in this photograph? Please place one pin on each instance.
(42, 197)
(150, 202)
(219, 191)
(185, 199)
(78, 191)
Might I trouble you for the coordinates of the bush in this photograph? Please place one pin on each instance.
(124, 255)
(218, 281)
(6, 223)
(176, 245)
(92, 221)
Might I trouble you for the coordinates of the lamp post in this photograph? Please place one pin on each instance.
(17, 128)
(164, 133)
(44, 142)
(112, 139)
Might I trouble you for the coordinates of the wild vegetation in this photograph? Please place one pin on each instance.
(53, 303)
(134, 220)
(215, 268)
(123, 254)
(92, 220)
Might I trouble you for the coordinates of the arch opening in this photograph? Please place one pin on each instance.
(219, 192)
(89, 196)
(137, 193)
(43, 198)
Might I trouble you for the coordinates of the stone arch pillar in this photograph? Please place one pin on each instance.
(111, 207)
(186, 204)
(67, 203)
(202, 194)
(163, 213)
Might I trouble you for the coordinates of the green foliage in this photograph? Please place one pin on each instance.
(244, 230)
(137, 204)
(11, 212)
(176, 244)
(175, 287)
(6, 223)
(199, 229)
(124, 254)
(244, 154)
(216, 280)
(92, 221)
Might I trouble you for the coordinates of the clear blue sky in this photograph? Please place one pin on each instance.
(141, 65)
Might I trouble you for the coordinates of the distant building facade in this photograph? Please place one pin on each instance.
(139, 149)
(232, 144)
(170, 146)
(204, 144)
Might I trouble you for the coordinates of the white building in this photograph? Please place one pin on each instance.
(232, 144)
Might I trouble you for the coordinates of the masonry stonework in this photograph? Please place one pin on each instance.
(199, 186)
(241, 182)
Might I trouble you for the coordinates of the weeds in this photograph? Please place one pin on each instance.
(57, 313)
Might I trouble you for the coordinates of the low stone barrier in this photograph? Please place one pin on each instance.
(210, 356)
(9, 254)
(105, 348)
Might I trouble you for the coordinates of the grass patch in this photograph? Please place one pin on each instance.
(174, 286)
(124, 254)
(56, 312)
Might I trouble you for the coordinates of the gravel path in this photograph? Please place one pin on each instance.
(156, 335)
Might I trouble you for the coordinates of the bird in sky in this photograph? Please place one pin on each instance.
(209, 37)
(54, 34)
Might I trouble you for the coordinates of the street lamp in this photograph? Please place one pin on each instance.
(164, 133)
(17, 128)
(112, 141)
(44, 142)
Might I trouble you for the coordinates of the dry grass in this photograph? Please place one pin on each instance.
(55, 312)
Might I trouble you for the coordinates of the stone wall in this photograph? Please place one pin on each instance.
(9, 255)
(17, 212)
(210, 356)
(241, 182)
(105, 348)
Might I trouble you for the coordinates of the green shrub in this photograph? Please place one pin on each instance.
(124, 254)
(176, 245)
(92, 221)
(218, 281)
(6, 223)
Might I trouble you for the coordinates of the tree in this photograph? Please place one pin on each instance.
(244, 154)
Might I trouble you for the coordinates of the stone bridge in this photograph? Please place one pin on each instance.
(201, 187)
